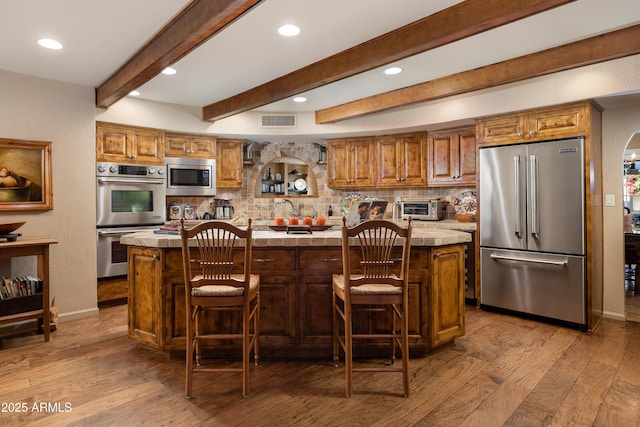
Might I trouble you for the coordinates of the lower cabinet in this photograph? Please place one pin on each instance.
(146, 296)
(295, 300)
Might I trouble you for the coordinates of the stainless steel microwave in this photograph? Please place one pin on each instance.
(427, 210)
(190, 177)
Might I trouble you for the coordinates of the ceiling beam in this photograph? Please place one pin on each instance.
(462, 20)
(195, 24)
(606, 47)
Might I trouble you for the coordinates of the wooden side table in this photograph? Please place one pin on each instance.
(31, 246)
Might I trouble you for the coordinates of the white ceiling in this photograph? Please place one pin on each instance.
(99, 36)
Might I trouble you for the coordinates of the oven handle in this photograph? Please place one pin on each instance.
(130, 181)
(119, 232)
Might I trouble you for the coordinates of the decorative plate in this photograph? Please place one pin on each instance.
(466, 203)
(300, 184)
(347, 199)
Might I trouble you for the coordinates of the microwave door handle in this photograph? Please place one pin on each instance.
(130, 181)
(517, 200)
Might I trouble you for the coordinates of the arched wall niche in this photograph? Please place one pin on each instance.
(302, 156)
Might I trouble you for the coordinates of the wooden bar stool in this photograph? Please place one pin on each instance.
(220, 281)
(372, 287)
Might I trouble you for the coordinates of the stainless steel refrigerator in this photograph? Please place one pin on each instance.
(532, 229)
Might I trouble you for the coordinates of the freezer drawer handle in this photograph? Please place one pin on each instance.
(535, 260)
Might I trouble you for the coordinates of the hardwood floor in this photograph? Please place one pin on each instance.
(505, 371)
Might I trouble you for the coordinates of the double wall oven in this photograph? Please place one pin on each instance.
(129, 198)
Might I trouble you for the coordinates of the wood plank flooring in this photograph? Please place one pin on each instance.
(506, 371)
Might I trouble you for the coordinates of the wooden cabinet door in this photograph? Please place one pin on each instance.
(205, 148)
(317, 265)
(467, 158)
(557, 123)
(338, 164)
(112, 144)
(447, 294)
(413, 160)
(147, 147)
(277, 270)
(441, 162)
(389, 159)
(229, 164)
(350, 163)
(176, 145)
(501, 129)
(193, 146)
(361, 163)
(452, 158)
(145, 296)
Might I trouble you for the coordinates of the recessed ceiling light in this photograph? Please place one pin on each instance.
(299, 99)
(393, 70)
(134, 93)
(169, 71)
(50, 44)
(289, 30)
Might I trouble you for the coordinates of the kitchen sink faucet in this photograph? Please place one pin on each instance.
(294, 212)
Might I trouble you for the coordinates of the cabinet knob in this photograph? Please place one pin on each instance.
(532, 132)
(520, 134)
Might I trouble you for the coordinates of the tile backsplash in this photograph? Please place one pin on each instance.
(248, 205)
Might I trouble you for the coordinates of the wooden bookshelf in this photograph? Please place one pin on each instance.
(31, 306)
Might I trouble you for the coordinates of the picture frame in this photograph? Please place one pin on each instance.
(25, 175)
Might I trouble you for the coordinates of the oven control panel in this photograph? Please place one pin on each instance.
(115, 169)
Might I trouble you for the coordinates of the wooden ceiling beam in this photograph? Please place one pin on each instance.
(195, 24)
(606, 47)
(462, 20)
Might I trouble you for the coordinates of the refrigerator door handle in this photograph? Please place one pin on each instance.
(517, 201)
(527, 259)
(533, 188)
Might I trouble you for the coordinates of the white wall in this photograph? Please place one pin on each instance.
(619, 125)
(38, 109)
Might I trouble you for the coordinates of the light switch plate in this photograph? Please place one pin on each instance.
(609, 200)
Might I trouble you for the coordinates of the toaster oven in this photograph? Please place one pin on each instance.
(425, 210)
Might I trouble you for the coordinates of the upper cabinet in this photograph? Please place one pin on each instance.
(229, 163)
(536, 125)
(192, 146)
(452, 157)
(401, 159)
(350, 162)
(127, 144)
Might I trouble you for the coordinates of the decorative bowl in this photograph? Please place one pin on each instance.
(465, 217)
(8, 227)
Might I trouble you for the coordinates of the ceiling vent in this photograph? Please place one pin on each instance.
(278, 121)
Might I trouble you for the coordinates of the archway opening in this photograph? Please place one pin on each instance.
(631, 221)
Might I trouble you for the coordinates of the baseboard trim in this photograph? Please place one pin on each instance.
(80, 314)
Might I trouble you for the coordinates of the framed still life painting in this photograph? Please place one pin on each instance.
(25, 175)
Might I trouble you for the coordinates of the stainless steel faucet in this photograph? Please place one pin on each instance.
(294, 212)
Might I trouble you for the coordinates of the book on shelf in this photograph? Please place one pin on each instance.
(15, 287)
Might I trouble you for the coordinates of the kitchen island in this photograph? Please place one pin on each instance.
(295, 293)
